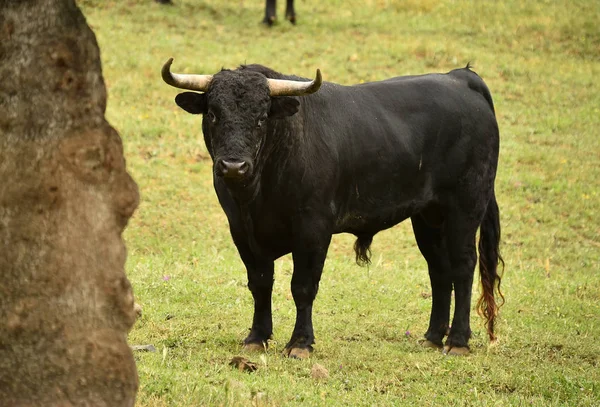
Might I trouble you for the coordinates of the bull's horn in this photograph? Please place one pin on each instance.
(183, 81)
(280, 87)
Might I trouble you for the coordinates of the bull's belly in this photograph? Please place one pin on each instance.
(381, 204)
(370, 220)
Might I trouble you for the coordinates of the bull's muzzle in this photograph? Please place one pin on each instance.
(232, 169)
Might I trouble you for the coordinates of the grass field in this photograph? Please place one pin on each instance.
(541, 60)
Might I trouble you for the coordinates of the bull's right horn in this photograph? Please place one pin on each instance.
(183, 81)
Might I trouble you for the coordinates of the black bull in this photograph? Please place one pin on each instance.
(292, 166)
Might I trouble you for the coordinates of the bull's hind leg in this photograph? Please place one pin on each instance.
(433, 247)
(460, 232)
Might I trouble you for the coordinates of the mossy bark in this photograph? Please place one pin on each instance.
(65, 197)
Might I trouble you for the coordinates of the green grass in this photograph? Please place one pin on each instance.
(541, 60)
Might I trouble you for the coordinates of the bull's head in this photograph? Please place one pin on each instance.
(236, 106)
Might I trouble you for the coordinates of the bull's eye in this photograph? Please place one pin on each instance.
(211, 117)
(261, 121)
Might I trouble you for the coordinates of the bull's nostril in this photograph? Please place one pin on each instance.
(243, 168)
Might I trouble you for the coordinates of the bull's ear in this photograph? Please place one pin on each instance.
(192, 102)
(283, 106)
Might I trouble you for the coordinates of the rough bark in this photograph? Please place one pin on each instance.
(65, 197)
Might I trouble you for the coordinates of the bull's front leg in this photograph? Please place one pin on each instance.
(311, 243)
(308, 267)
(260, 283)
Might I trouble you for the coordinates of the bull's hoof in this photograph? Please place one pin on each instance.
(456, 350)
(255, 347)
(428, 344)
(269, 21)
(297, 353)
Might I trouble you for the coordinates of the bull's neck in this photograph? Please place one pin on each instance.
(245, 192)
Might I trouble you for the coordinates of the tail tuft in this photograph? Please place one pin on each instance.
(489, 259)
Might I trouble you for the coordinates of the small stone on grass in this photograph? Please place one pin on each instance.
(319, 372)
(144, 348)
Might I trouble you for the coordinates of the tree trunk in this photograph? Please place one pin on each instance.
(65, 197)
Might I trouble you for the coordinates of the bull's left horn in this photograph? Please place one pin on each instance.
(183, 81)
(280, 87)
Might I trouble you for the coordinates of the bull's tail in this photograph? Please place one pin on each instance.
(489, 259)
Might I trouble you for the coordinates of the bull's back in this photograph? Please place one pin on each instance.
(398, 142)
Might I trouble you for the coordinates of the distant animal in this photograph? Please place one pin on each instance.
(296, 161)
(271, 12)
